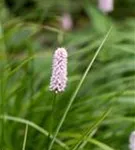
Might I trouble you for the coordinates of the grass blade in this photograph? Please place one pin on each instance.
(77, 90)
(99, 144)
(3, 78)
(82, 142)
(25, 137)
(21, 65)
(35, 126)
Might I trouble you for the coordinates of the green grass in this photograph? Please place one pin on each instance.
(96, 111)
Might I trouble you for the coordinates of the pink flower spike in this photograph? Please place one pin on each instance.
(132, 141)
(59, 71)
(106, 6)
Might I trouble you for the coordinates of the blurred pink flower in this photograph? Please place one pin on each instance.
(66, 22)
(132, 141)
(106, 5)
(59, 71)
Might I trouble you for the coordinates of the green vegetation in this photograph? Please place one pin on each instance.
(99, 102)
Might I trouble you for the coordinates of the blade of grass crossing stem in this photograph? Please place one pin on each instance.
(25, 137)
(35, 126)
(83, 141)
(77, 89)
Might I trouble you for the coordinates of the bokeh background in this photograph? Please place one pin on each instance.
(30, 31)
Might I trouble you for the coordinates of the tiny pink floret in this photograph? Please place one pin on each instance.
(59, 71)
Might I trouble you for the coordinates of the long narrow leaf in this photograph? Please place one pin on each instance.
(25, 137)
(35, 126)
(82, 142)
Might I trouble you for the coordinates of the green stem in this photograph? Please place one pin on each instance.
(31, 72)
(53, 111)
(25, 137)
(51, 125)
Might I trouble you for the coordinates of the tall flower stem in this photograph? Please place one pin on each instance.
(52, 117)
(53, 112)
(58, 80)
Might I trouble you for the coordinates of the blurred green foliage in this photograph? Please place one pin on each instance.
(29, 33)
